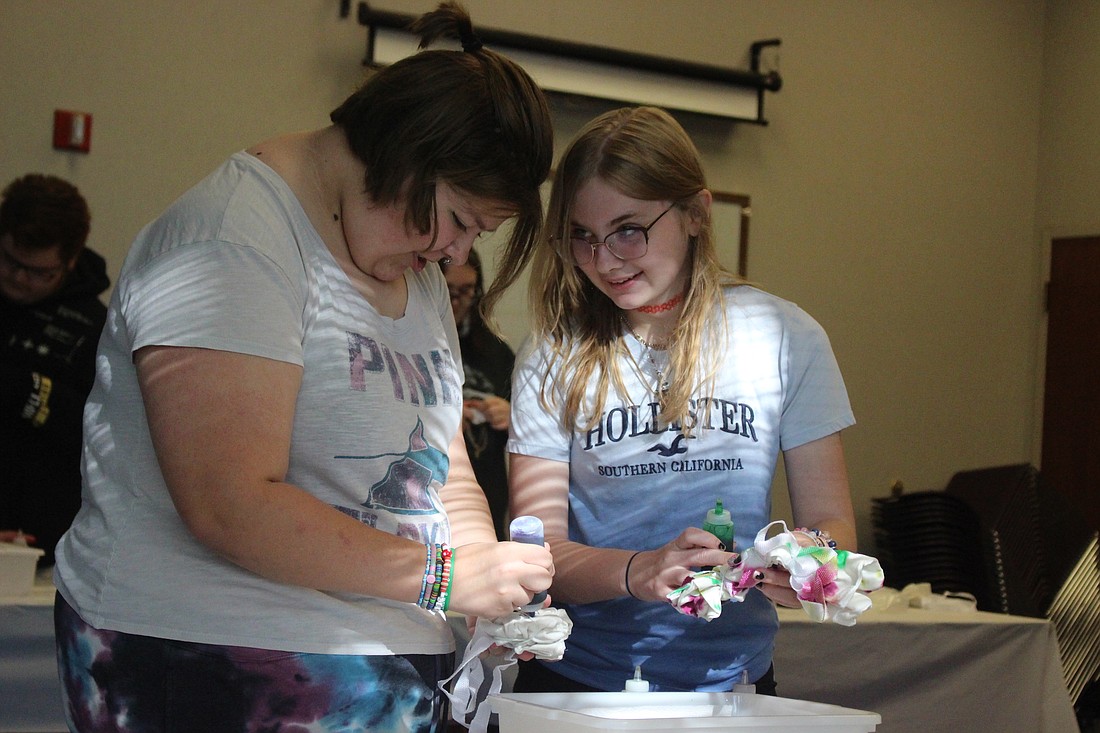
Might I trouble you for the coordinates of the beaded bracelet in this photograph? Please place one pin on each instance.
(450, 577)
(819, 537)
(429, 563)
(437, 578)
(435, 581)
(444, 578)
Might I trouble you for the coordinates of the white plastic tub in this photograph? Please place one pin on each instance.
(17, 566)
(672, 712)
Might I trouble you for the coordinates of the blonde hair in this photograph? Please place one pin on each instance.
(644, 154)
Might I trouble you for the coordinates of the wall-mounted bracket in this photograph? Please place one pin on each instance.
(569, 68)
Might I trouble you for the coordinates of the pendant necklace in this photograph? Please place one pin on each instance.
(662, 383)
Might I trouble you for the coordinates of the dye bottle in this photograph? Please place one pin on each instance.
(720, 524)
(528, 529)
(637, 684)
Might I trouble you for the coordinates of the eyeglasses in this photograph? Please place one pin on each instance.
(464, 292)
(628, 243)
(35, 274)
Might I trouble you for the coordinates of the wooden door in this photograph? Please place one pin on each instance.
(1071, 402)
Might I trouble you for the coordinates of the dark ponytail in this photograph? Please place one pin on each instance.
(473, 119)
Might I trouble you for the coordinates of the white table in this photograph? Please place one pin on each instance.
(920, 670)
(30, 693)
(925, 670)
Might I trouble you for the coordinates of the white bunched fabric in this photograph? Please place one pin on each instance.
(543, 634)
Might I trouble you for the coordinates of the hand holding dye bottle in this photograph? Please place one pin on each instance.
(528, 530)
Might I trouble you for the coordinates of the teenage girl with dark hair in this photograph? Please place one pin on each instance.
(278, 503)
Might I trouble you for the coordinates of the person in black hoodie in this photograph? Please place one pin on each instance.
(486, 411)
(50, 320)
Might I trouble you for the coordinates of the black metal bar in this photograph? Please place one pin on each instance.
(754, 64)
(753, 79)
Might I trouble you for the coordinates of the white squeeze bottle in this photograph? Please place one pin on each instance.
(743, 685)
(637, 684)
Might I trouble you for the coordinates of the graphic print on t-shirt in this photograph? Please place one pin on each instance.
(404, 502)
(415, 378)
(620, 429)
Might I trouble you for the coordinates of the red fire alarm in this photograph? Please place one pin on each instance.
(72, 130)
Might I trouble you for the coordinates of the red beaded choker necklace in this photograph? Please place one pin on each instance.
(662, 307)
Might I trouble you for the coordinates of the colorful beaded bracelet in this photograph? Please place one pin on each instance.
(435, 587)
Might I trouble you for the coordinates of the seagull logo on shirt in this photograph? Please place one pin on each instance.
(667, 451)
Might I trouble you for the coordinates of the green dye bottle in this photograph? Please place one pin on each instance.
(720, 524)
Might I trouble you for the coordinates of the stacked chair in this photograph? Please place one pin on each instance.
(1042, 560)
(929, 537)
(1016, 545)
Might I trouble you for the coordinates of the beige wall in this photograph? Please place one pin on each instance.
(917, 157)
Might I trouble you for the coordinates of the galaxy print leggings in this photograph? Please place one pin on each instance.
(124, 683)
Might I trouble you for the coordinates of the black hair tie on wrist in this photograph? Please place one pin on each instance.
(626, 574)
(470, 42)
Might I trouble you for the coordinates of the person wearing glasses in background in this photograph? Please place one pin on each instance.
(656, 382)
(487, 362)
(50, 320)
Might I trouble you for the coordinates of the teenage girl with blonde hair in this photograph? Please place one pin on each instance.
(655, 383)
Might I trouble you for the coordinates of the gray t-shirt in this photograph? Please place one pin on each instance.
(635, 483)
(236, 265)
